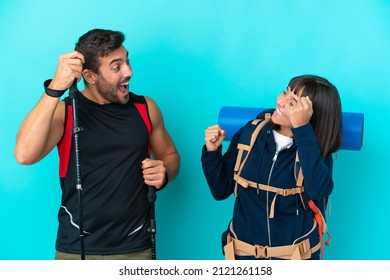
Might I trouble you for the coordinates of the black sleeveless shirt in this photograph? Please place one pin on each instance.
(112, 144)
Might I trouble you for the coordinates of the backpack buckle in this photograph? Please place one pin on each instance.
(261, 252)
(304, 246)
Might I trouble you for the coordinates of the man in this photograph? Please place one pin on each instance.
(119, 132)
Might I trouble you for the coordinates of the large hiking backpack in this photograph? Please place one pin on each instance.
(248, 136)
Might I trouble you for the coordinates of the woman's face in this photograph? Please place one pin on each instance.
(281, 115)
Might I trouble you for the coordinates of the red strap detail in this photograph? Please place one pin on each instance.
(318, 218)
(65, 144)
(142, 109)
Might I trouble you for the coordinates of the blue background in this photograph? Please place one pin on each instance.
(193, 57)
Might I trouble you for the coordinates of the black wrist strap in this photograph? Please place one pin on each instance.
(52, 92)
(165, 183)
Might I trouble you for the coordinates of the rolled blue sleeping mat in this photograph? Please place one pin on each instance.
(231, 119)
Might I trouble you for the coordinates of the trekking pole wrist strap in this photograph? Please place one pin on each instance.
(52, 92)
(166, 181)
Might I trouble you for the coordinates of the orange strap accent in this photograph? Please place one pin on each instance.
(322, 228)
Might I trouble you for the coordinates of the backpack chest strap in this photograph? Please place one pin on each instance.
(278, 191)
(284, 192)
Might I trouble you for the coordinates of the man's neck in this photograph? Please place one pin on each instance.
(92, 94)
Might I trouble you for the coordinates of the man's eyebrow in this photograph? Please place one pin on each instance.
(115, 60)
(118, 59)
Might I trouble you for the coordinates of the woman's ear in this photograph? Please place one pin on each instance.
(89, 76)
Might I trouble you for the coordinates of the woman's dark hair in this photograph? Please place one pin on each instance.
(327, 117)
(98, 43)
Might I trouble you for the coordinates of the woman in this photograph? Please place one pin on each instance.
(280, 170)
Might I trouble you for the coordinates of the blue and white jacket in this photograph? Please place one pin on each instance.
(292, 220)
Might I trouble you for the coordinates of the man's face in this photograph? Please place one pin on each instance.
(114, 76)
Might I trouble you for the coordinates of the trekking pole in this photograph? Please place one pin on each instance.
(76, 129)
(152, 222)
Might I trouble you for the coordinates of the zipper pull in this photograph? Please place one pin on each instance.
(275, 156)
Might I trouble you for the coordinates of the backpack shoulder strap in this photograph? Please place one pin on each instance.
(66, 142)
(317, 213)
(142, 106)
(247, 140)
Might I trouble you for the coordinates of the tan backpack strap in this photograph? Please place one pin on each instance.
(232, 230)
(296, 251)
(299, 179)
(300, 251)
(284, 192)
(239, 162)
(278, 191)
(272, 209)
(229, 249)
(300, 174)
(257, 130)
(241, 148)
